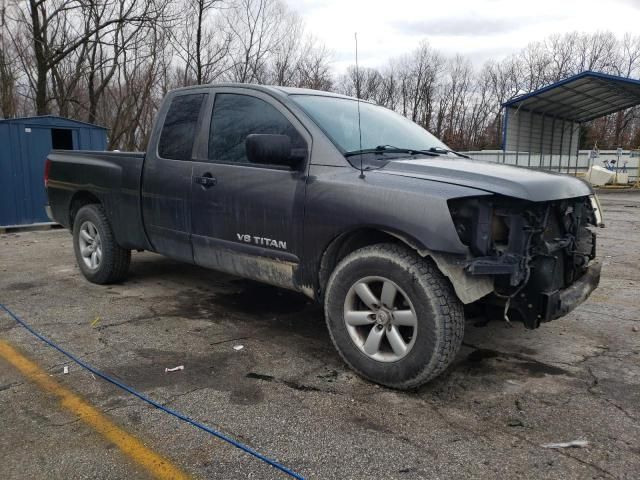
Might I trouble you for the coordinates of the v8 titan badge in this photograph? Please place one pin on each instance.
(262, 241)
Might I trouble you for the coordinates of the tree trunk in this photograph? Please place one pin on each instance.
(199, 43)
(42, 67)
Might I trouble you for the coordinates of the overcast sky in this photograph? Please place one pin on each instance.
(479, 29)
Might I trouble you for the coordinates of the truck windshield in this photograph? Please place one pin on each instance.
(338, 117)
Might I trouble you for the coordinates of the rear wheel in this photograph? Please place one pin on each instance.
(393, 316)
(100, 258)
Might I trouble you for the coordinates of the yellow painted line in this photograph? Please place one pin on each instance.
(155, 464)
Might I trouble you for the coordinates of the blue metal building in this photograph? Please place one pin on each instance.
(24, 146)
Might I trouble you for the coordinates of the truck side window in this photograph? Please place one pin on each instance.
(237, 116)
(179, 129)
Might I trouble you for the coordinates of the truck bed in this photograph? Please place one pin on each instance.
(114, 178)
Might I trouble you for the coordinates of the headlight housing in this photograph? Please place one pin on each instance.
(597, 210)
(478, 224)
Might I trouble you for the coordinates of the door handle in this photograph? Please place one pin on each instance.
(207, 180)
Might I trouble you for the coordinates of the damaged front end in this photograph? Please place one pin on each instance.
(540, 254)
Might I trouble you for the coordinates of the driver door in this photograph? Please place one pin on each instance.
(247, 218)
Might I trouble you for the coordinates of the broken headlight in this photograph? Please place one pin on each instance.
(597, 210)
(479, 224)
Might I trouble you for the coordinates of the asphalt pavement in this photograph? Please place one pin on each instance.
(286, 392)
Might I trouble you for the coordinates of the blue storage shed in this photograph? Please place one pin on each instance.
(24, 146)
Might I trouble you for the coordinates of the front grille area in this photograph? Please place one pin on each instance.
(532, 250)
(567, 241)
(562, 243)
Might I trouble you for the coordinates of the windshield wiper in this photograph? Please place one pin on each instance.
(380, 149)
(446, 150)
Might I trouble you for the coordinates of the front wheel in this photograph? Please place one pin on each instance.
(100, 258)
(393, 316)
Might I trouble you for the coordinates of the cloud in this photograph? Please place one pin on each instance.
(462, 26)
(478, 29)
(632, 3)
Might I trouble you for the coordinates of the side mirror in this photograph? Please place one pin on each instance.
(272, 149)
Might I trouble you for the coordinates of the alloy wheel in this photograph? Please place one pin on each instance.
(380, 319)
(90, 245)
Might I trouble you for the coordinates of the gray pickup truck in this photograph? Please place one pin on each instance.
(347, 202)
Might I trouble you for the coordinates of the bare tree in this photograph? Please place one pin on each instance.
(58, 29)
(8, 106)
(112, 61)
(107, 48)
(314, 69)
(562, 55)
(629, 62)
(286, 53)
(257, 28)
(133, 97)
(202, 44)
(598, 52)
(8, 74)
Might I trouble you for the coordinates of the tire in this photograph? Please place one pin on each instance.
(111, 261)
(424, 313)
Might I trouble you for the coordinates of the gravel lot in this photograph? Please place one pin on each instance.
(287, 394)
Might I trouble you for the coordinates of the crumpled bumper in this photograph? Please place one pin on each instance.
(561, 302)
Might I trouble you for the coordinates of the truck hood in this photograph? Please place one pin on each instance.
(517, 182)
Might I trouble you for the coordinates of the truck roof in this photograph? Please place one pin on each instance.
(274, 90)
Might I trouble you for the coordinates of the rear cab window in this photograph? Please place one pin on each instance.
(179, 129)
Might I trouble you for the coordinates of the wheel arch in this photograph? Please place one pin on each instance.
(79, 200)
(353, 239)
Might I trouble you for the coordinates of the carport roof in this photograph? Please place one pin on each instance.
(581, 98)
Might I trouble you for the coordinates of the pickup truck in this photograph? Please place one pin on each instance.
(346, 202)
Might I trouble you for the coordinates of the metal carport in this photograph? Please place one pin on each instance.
(541, 129)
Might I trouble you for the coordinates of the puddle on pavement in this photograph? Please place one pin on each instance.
(485, 361)
(257, 298)
(213, 371)
(251, 306)
(24, 286)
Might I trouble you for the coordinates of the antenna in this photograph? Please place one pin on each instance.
(358, 101)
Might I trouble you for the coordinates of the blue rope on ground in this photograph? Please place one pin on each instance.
(144, 398)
